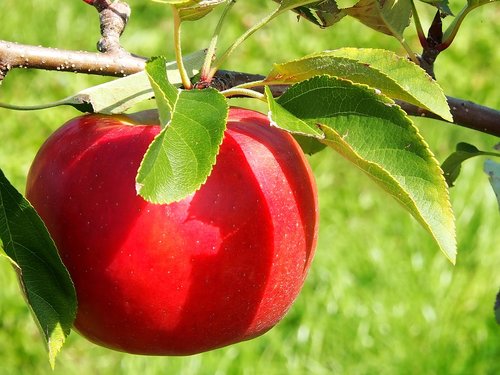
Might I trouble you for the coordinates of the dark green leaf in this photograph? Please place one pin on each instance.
(45, 281)
(309, 145)
(453, 163)
(492, 169)
(322, 13)
(442, 5)
(377, 136)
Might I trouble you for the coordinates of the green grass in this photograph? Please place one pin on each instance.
(380, 298)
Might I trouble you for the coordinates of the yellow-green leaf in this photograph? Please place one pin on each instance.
(394, 76)
(373, 133)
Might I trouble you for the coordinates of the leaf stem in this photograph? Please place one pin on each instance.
(275, 13)
(243, 92)
(409, 51)
(186, 82)
(205, 70)
(33, 107)
(452, 30)
(418, 25)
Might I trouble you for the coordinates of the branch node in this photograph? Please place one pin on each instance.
(113, 18)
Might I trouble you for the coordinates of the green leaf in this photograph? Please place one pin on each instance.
(283, 119)
(192, 10)
(162, 88)
(442, 5)
(322, 13)
(390, 17)
(120, 94)
(452, 30)
(44, 279)
(492, 169)
(476, 3)
(181, 157)
(305, 134)
(376, 136)
(292, 4)
(453, 163)
(309, 145)
(394, 76)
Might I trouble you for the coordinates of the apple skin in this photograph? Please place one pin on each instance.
(221, 266)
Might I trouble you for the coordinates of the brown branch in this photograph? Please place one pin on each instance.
(114, 60)
(14, 55)
(465, 113)
(432, 45)
(113, 18)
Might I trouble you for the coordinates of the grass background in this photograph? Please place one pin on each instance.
(380, 298)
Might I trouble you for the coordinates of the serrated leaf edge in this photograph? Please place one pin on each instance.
(450, 255)
(448, 116)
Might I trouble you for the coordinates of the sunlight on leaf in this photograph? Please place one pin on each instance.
(181, 157)
(192, 10)
(393, 75)
(376, 136)
(390, 17)
(283, 119)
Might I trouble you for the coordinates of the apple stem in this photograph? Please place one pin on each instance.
(210, 56)
(186, 82)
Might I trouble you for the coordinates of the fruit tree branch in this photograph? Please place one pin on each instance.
(14, 55)
(465, 113)
(113, 18)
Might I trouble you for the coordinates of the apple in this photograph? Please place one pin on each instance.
(221, 266)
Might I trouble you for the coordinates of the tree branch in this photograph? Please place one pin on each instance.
(14, 55)
(113, 18)
(465, 113)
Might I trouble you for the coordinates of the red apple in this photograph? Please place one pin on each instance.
(221, 266)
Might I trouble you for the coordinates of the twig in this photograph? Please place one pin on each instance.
(465, 113)
(13, 55)
(432, 45)
(113, 18)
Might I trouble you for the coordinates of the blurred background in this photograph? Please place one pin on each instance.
(380, 297)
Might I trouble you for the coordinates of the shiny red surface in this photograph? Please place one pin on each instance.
(221, 266)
